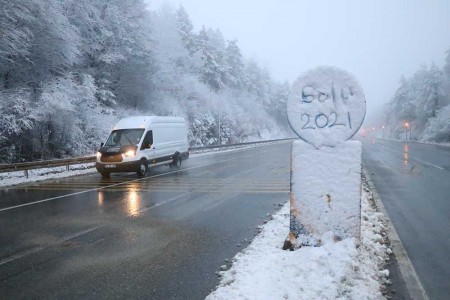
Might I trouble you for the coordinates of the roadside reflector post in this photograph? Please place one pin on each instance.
(326, 107)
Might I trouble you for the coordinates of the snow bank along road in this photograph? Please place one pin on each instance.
(160, 237)
(413, 181)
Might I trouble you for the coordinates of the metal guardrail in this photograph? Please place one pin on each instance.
(239, 144)
(26, 166)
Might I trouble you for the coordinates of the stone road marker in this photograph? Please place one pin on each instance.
(326, 107)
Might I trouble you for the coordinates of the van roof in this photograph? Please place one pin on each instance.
(145, 121)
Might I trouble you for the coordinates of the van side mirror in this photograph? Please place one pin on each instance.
(146, 146)
(102, 144)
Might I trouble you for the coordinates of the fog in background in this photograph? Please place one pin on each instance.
(69, 69)
(377, 41)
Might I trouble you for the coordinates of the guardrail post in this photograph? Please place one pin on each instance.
(67, 168)
(26, 173)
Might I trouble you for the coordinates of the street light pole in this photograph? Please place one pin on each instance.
(219, 139)
(410, 129)
(406, 125)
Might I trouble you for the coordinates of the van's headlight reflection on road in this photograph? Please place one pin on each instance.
(133, 203)
(131, 200)
(100, 198)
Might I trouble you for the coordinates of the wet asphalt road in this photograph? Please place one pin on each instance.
(413, 181)
(160, 237)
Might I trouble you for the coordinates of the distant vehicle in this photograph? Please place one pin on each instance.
(138, 143)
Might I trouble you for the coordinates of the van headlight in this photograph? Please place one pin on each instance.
(99, 155)
(130, 153)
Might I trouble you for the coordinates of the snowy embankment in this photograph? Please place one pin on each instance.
(18, 177)
(335, 270)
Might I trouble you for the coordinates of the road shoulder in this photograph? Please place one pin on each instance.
(407, 275)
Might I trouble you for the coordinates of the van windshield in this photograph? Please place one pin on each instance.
(124, 137)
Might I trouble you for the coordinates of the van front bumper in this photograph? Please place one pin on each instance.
(132, 166)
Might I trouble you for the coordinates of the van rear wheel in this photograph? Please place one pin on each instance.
(142, 167)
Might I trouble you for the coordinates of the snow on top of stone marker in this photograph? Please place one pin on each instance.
(326, 106)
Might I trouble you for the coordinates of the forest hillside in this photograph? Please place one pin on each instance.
(69, 69)
(421, 105)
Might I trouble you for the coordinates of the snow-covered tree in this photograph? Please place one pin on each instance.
(438, 128)
(417, 101)
(213, 70)
(185, 28)
(70, 68)
(447, 64)
(15, 27)
(236, 77)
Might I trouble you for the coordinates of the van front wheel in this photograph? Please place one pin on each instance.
(176, 164)
(142, 167)
(105, 174)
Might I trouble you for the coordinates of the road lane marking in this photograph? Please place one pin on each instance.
(430, 164)
(140, 210)
(34, 250)
(159, 181)
(104, 187)
(171, 185)
(20, 255)
(419, 160)
(412, 281)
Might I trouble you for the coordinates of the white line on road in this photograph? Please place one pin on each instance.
(112, 185)
(413, 284)
(430, 164)
(419, 160)
(78, 234)
(31, 251)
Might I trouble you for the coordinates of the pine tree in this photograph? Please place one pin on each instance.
(447, 64)
(235, 67)
(213, 71)
(185, 27)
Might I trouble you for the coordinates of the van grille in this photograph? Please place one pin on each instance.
(111, 158)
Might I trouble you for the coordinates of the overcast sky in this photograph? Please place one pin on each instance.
(376, 40)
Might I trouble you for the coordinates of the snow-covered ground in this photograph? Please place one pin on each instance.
(18, 177)
(335, 270)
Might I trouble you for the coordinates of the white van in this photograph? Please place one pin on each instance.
(137, 143)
